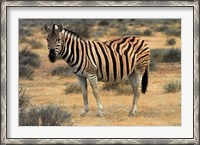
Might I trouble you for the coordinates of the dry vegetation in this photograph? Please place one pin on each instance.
(55, 86)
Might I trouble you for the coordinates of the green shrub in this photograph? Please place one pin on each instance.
(147, 32)
(157, 54)
(172, 55)
(24, 98)
(72, 88)
(26, 71)
(124, 89)
(136, 32)
(173, 86)
(161, 28)
(61, 71)
(124, 31)
(82, 27)
(171, 41)
(27, 57)
(27, 62)
(153, 64)
(23, 40)
(49, 115)
(103, 23)
(155, 57)
(35, 44)
(29, 116)
(110, 86)
(120, 88)
(173, 32)
(53, 115)
(115, 85)
(165, 55)
(25, 32)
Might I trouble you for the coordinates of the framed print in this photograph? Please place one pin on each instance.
(83, 72)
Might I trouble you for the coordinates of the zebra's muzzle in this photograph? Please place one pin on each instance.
(52, 55)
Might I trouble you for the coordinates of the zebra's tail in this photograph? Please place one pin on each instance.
(145, 80)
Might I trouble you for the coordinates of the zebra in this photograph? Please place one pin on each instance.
(109, 61)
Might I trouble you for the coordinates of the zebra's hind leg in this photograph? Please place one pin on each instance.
(83, 84)
(93, 82)
(135, 79)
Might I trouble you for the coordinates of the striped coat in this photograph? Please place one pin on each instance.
(109, 61)
(112, 61)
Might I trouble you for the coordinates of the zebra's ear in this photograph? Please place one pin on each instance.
(47, 28)
(60, 28)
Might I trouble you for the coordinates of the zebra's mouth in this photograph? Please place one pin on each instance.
(52, 56)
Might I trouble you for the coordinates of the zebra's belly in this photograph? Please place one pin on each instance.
(111, 78)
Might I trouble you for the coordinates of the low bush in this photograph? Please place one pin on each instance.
(53, 115)
(153, 64)
(124, 89)
(137, 32)
(24, 98)
(172, 55)
(155, 57)
(29, 116)
(161, 28)
(72, 88)
(49, 115)
(147, 32)
(61, 71)
(165, 55)
(28, 61)
(120, 88)
(25, 32)
(173, 32)
(110, 86)
(35, 44)
(82, 28)
(27, 57)
(173, 86)
(122, 30)
(26, 71)
(171, 41)
(103, 23)
(23, 40)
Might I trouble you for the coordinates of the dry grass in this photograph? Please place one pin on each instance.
(156, 108)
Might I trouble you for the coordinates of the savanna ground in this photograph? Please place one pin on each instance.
(156, 108)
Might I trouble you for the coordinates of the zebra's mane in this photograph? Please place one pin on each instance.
(71, 32)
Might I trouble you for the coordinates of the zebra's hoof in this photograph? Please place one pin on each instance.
(132, 114)
(100, 114)
(83, 114)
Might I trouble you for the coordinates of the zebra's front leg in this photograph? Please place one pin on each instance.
(83, 83)
(93, 82)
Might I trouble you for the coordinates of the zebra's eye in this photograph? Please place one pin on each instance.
(58, 39)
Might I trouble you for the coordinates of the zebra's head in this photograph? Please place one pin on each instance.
(54, 40)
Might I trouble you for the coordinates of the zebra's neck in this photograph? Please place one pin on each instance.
(70, 45)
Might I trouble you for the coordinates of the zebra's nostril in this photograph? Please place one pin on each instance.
(52, 50)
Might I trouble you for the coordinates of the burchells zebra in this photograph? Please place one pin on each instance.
(109, 61)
